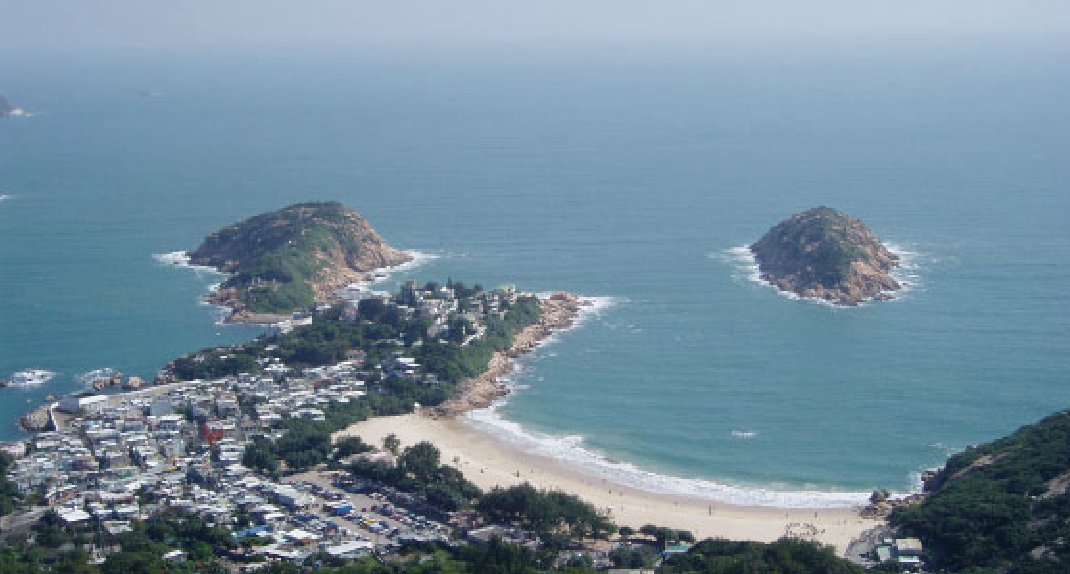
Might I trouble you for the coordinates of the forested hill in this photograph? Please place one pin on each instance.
(1002, 506)
(291, 258)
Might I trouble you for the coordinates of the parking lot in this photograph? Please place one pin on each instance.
(371, 516)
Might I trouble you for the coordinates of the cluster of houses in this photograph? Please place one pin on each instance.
(117, 458)
(442, 306)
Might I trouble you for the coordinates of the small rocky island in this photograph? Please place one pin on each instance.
(292, 259)
(824, 254)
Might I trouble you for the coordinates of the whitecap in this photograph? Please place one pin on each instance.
(419, 258)
(87, 378)
(355, 289)
(182, 259)
(743, 433)
(6, 196)
(31, 378)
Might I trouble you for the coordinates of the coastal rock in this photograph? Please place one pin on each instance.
(824, 254)
(293, 258)
(36, 420)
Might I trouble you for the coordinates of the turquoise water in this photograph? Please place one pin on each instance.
(626, 180)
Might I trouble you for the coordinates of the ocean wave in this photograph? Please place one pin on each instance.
(6, 196)
(87, 378)
(381, 275)
(182, 259)
(419, 258)
(31, 378)
(908, 272)
(571, 450)
(743, 433)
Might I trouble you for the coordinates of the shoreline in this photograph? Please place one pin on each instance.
(558, 312)
(489, 460)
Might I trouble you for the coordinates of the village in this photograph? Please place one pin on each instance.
(110, 459)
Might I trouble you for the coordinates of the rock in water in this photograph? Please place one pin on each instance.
(293, 258)
(824, 254)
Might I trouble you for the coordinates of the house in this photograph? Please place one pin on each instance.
(83, 404)
(350, 550)
(175, 556)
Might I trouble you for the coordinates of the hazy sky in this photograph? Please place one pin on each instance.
(29, 26)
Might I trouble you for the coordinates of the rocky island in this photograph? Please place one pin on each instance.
(292, 258)
(824, 254)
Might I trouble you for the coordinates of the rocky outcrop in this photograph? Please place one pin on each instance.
(293, 258)
(37, 419)
(824, 254)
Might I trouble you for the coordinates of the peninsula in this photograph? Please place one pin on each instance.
(824, 254)
(292, 258)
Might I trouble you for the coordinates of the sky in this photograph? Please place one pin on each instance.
(28, 27)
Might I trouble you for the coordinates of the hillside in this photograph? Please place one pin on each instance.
(293, 258)
(1002, 506)
(824, 254)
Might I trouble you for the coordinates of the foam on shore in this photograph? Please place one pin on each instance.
(182, 259)
(570, 450)
(419, 258)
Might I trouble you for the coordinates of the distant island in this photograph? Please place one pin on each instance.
(292, 258)
(824, 254)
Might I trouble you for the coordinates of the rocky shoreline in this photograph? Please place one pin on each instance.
(559, 312)
(37, 420)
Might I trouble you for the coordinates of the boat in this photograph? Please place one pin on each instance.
(31, 377)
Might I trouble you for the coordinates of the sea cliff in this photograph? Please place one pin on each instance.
(824, 254)
(292, 258)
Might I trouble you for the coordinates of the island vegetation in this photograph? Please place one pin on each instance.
(293, 258)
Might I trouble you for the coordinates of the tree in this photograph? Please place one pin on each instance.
(421, 461)
(349, 446)
(392, 443)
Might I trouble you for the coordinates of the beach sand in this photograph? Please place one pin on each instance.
(489, 462)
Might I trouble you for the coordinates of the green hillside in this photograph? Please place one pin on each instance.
(1002, 506)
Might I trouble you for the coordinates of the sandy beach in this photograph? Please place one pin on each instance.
(488, 462)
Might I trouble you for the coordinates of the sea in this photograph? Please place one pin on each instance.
(633, 179)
